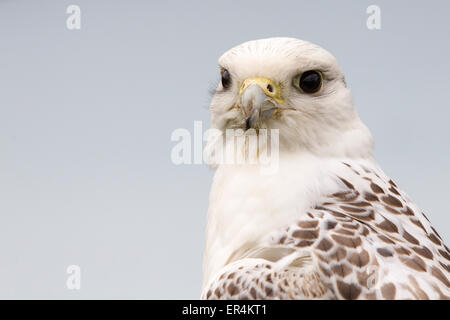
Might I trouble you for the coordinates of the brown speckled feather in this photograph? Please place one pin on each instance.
(367, 241)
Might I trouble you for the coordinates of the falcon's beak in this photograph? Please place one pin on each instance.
(259, 98)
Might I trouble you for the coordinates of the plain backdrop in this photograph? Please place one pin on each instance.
(86, 118)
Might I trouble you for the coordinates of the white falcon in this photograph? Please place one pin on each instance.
(328, 223)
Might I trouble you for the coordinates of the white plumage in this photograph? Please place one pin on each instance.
(328, 223)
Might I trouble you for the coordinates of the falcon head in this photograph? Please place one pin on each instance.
(293, 86)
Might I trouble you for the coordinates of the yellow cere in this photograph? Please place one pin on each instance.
(270, 88)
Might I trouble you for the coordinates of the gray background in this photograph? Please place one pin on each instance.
(86, 118)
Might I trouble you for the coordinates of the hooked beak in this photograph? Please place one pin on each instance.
(259, 99)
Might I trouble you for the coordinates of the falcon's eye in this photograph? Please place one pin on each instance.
(309, 81)
(226, 79)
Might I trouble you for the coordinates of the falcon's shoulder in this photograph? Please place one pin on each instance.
(368, 240)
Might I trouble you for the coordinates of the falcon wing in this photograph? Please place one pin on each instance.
(366, 241)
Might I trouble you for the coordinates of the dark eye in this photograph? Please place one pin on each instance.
(226, 79)
(309, 81)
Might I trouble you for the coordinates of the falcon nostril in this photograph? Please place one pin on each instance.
(270, 88)
(247, 123)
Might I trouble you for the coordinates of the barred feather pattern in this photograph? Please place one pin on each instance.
(366, 241)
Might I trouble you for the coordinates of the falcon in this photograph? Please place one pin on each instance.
(328, 223)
